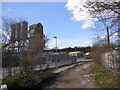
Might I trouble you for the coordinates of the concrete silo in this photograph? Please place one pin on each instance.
(36, 40)
(13, 32)
(17, 31)
(19, 35)
(24, 30)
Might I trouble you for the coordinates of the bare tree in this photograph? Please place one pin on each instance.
(6, 31)
(6, 34)
(107, 8)
(106, 28)
(106, 12)
(46, 38)
(8, 54)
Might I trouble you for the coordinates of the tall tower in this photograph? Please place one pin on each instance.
(36, 40)
(24, 28)
(13, 32)
(24, 33)
(19, 35)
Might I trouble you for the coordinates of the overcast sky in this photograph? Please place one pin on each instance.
(59, 19)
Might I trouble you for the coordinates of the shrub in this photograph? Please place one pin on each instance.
(14, 83)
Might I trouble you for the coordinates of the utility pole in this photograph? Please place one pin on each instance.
(108, 37)
(118, 56)
(108, 44)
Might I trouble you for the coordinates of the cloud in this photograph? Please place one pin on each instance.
(85, 44)
(69, 43)
(9, 9)
(88, 24)
(115, 34)
(99, 37)
(81, 13)
(105, 36)
(52, 43)
(78, 15)
(102, 36)
(34, 0)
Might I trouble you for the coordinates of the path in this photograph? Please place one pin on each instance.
(77, 77)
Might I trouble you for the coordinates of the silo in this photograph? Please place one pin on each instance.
(23, 30)
(40, 28)
(18, 31)
(13, 32)
(36, 36)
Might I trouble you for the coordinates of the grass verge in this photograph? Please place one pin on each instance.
(104, 77)
(22, 81)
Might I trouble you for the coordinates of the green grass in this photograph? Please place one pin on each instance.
(104, 77)
(22, 81)
(14, 82)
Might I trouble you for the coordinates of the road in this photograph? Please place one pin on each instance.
(76, 77)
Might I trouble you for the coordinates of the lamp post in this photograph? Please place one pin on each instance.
(55, 48)
(76, 52)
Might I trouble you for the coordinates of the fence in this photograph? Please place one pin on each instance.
(48, 60)
(111, 59)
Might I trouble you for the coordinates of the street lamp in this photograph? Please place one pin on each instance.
(55, 43)
(76, 52)
(56, 48)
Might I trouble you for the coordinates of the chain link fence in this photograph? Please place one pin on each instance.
(48, 60)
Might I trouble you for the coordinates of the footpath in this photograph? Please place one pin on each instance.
(64, 68)
(73, 76)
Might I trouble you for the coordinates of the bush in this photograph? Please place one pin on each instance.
(22, 81)
(14, 82)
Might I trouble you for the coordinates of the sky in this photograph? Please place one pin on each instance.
(57, 20)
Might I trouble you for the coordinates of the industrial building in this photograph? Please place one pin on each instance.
(23, 40)
(36, 37)
(22, 37)
(19, 35)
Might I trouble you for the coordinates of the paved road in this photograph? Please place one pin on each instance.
(77, 77)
